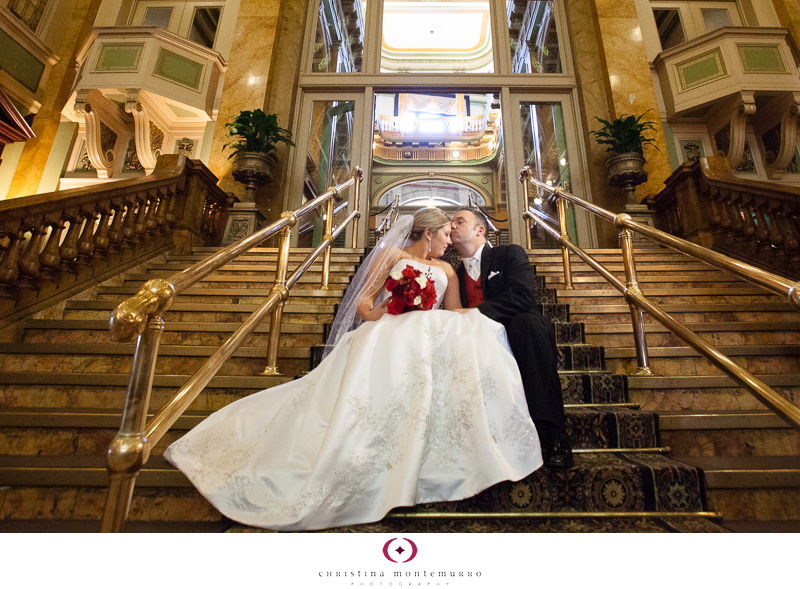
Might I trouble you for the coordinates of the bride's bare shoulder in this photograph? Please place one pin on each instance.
(448, 269)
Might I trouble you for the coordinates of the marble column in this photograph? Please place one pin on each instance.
(629, 82)
(33, 160)
(246, 80)
(789, 15)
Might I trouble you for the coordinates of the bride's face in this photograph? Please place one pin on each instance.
(440, 239)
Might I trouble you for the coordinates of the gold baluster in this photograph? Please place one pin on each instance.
(129, 224)
(562, 221)
(326, 256)
(632, 291)
(279, 288)
(523, 178)
(358, 173)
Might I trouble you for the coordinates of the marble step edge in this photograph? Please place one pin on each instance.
(305, 279)
(626, 328)
(121, 380)
(719, 419)
(747, 472)
(241, 292)
(192, 326)
(615, 519)
(578, 293)
(618, 266)
(305, 250)
(89, 470)
(127, 349)
(111, 418)
(170, 380)
(203, 307)
(315, 268)
(91, 526)
(585, 309)
(774, 350)
(645, 383)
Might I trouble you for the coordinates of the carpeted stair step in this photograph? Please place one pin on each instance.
(400, 523)
(593, 387)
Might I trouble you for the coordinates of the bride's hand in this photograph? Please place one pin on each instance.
(376, 312)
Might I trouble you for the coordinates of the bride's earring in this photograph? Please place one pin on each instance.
(429, 245)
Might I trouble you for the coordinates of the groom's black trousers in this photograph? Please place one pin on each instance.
(533, 342)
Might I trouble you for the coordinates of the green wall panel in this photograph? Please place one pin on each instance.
(119, 58)
(761, 58)
(19, 63)
(179, 69)
(702, 69)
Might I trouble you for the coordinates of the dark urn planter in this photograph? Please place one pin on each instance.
(626, 171)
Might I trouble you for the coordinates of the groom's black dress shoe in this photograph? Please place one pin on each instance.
(557, 452)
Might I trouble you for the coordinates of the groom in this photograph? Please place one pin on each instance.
(499, 282)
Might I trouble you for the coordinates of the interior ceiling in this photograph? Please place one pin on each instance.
(435, 27)
(453, 30)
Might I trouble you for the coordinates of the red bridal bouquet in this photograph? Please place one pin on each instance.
(410, 291)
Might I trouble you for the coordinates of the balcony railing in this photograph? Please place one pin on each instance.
(757, 222)
(56, 244)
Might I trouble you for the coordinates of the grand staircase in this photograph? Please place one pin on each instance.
(62, 388)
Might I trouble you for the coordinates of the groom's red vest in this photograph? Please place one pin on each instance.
(474, 291)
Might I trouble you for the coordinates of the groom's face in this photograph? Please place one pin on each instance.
(464, 229)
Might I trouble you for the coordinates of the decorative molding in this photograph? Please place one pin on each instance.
(776, 125)
(143, 131)
(734, 112)
(103, 162)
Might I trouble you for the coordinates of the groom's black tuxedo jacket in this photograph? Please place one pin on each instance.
(506, 280)
(507, 283)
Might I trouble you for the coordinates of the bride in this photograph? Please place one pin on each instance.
(406, 408)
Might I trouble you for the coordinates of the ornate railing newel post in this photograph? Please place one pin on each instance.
(130, 448)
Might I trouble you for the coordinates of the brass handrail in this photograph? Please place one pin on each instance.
(639, 303)
(142, 315)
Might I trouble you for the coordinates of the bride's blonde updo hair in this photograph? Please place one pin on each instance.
(428, 218)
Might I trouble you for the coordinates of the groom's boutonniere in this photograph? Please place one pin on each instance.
(492, 275)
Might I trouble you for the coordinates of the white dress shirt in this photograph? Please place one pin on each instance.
(473, 264)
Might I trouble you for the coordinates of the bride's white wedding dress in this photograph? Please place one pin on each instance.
(412, 408)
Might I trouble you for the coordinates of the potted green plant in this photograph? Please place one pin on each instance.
(255, 136)
(625, 137)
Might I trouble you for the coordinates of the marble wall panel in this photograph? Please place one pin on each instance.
(246, 80)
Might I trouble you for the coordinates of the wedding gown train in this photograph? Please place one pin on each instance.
(413, 408)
